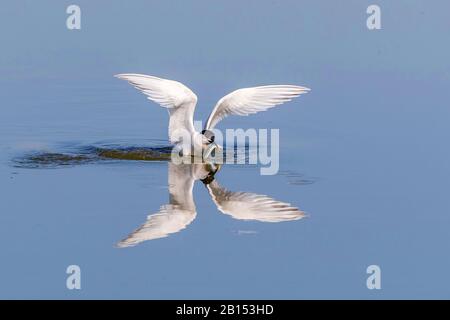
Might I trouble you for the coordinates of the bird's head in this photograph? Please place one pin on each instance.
(207, 137)
(208, 144)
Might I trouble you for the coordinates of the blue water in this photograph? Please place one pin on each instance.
(365, 154)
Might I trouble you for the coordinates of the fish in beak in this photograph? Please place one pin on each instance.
(210, 148)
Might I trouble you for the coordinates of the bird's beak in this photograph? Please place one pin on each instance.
(210, 149)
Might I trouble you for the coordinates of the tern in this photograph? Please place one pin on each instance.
(180, 102)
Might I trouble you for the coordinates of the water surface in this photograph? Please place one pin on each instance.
(364, 156)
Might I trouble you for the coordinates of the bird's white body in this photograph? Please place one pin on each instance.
(180, 101)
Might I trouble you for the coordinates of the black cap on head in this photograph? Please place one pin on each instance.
(209, 135)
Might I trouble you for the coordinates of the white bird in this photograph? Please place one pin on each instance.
(181, 210)
(180, 101)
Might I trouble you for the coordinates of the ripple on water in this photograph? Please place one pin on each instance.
(72, 155)
(85, 155)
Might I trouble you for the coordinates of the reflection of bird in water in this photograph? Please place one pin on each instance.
(252, 206)
(180, 101)
(181, 211)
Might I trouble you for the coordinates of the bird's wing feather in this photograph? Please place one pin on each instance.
(172, 217)
(252, 206)
(175, 96)
(252, 100)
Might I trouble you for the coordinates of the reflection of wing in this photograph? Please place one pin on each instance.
(179, 100)
(247, 101)
(171, 217)
(251, 206)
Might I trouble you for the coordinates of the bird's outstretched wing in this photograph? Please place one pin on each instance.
(179, 100)
(252, 206)
(172, 217)
(247, 101)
